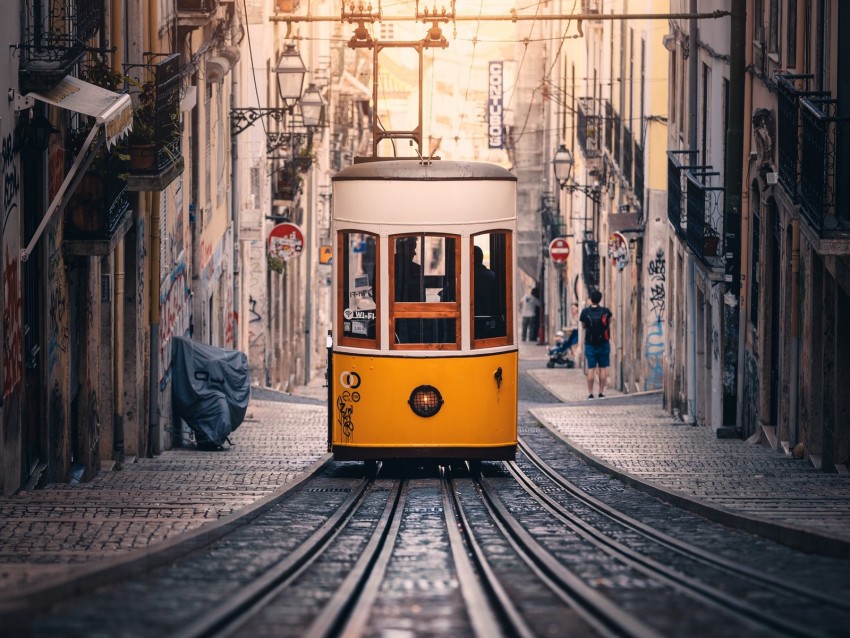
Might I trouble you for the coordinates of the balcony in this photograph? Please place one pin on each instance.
(55, 36)
(154, 145)
(639, 179)
(677, 163)
(628, 154)
(195, 13)
(824, 200)
(705, 218)
(791, 88)
(588, 133)
(98, 213)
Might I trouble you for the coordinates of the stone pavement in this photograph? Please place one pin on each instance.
(53, 532)
(741, 484)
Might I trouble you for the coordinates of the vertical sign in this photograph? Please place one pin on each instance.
(495, 107)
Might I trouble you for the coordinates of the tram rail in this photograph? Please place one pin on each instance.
(723, 599)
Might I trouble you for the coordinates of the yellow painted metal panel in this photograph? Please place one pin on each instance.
(370, 397)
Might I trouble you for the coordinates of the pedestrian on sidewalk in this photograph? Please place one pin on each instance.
(596, 320)
(529, 307)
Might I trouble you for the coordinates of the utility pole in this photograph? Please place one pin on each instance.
(733, 179)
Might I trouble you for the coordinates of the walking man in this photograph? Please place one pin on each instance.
(596, 320)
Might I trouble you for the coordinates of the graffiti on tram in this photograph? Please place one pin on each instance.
(345, 401)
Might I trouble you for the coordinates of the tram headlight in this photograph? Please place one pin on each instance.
(425, 401)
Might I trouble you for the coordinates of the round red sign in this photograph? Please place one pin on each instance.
(285, 242)
(559, 250)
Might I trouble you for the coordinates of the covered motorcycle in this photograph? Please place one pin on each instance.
(209, 388)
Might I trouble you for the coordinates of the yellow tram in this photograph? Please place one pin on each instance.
(423, 355)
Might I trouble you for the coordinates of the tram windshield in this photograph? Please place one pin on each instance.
(425, 272)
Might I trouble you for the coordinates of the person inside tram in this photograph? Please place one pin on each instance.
(408, 288)
(488, 320)
(408, 273)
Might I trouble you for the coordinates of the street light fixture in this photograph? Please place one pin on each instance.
(562, 163)
(312, 106)
(290, 71)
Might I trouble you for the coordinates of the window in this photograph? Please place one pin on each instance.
(358, 289)
(791, 35)
(773, 27)
(491, 289)
(424, 285)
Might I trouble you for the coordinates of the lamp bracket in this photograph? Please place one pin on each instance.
(242, 118)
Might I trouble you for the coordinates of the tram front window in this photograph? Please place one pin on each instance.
(491, 262)
(358, 272)
(425, 283)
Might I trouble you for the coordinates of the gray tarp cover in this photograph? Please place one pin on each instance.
(209, 388)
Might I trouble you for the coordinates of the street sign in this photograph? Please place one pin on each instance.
(285, 242)
(559, 250)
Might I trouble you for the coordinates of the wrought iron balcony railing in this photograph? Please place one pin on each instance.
(824, 165)
(677, 163)
(791, 88)
(155, 143)
(639, 179)
(628, 154)
(99, 204)
(704, 231)
(588, 134)
(55, 36)
(195, 13)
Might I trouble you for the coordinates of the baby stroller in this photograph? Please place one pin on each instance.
(559, 354)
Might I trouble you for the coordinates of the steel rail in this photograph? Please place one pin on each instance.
(688, 585)
(472, 586)
(242, 604)
(348, 609)
(596, 609)
(687, 549)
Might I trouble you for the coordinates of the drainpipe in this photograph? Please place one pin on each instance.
(690, 266)
(795, 330)
(238, 284)
(153, 379)
(118, 358)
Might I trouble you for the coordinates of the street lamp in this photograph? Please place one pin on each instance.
(290, 71)
(563, 162)
(312, 106)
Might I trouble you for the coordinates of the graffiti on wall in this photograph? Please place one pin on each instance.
(13, 344)
(175, 313)
(654, 346)
(11, 179)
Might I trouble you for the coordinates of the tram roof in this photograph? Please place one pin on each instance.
(415, 169)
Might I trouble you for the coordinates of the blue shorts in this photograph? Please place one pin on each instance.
(598, 355)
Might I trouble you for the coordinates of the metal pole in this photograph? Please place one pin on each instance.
(732, 213)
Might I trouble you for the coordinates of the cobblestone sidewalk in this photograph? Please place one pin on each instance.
(737, 483)
(50, 532)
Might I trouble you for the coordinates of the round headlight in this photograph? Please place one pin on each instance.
(425, 401)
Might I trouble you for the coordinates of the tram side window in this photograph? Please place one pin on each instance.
(425, 272)
(490, 266)
(358, 275)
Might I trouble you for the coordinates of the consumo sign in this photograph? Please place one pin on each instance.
(495, 105)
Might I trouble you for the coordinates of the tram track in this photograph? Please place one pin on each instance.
(707, 577)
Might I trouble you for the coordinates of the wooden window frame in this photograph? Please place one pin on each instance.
(493, 342)
(342, 269)
(424, 309)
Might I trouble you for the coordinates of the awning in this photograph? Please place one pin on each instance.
(113, 114)
(113, 111)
